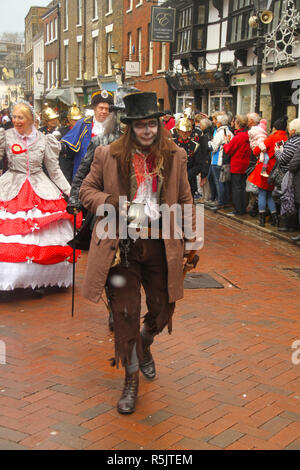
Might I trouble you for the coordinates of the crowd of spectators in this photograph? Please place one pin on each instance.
(251, 171)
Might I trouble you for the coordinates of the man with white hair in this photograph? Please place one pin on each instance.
(253, 119)
(217, 160)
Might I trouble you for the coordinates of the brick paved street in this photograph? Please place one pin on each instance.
(225, 376)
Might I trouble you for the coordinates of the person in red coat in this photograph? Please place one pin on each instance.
(265, 199)
(239, 151)
(168, 120)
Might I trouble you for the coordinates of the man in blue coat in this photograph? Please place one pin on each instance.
(103, 121)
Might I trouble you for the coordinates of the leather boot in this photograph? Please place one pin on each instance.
(274, 219)
(126, 404)
(262, 219)
(147, 366)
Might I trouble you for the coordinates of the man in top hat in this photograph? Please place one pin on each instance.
(50, 120)
(101, 123)
(145, 168)
(82, 240)
(196, 156)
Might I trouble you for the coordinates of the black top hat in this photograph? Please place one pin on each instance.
(102, 96)
(140, 105)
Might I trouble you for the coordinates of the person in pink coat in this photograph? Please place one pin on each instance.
(257, 135)
(265, 199)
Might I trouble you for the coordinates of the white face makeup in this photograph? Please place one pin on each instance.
(145, 131)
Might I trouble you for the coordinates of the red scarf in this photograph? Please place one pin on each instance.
(138, 162)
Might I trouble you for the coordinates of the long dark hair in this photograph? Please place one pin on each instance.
(129, 143)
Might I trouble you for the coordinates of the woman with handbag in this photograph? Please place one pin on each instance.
(239, 151)
(283, 159)
(265, 189)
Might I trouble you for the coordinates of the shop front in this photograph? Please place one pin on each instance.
(207, 92)
(279, 93)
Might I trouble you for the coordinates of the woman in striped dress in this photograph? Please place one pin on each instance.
(34, 224)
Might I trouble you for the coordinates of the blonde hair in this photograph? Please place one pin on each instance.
(205, 123)
(26, 109)
(241, 120)
(217, 113)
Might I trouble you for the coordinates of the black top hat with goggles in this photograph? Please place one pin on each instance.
(140, 105)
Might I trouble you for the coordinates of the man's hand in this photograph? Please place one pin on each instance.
(73, 206)
(189, 264)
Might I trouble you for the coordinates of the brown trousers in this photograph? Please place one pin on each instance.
(148, 268)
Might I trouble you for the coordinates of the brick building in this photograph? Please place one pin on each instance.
(88, 28)
(153, 57)
(51, 48)
(33, 24)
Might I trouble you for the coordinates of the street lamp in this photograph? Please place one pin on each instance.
(262, 15)
(39, 75)
(113, 57)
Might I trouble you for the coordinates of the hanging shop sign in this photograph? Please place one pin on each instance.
(162, 24)
(132, 68)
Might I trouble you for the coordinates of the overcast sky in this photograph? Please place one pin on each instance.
(13, 13)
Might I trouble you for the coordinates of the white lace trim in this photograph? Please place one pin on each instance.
(57, 233)
(24, 275)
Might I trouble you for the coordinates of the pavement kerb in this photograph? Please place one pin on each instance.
(254, 225)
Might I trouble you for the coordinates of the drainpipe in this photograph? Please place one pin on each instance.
(59, 45)
(84, 51)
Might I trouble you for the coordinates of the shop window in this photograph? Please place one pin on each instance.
(220, 100)
(183, 100)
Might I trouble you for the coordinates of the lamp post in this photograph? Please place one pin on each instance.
(39, 75)
(112, 55)
(262, 15)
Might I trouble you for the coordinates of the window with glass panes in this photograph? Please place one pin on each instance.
(220, 100)
(277, 9)
(95, 8)
(66, 17)
(199, 26)
(239, 29)
(95, 56)
(79, 60)
(184, 30)
(79, 12)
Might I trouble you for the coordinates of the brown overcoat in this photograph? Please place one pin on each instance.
(106, 179)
